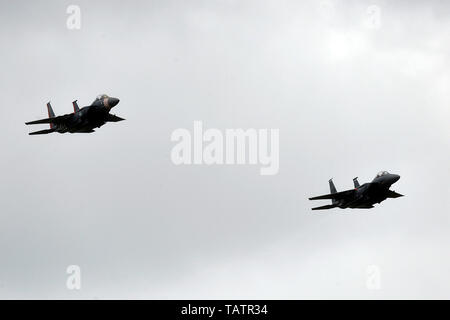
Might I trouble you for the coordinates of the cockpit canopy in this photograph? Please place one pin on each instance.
(381, 173)
(101, 96)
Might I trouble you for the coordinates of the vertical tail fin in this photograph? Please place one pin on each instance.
(356, 183)
(332, 190)
(75, 106)
(51, 114)
(332, 187)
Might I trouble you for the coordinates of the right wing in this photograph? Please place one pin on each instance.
(56, 120)
(335, 196)
(393, 194)
(113, 118)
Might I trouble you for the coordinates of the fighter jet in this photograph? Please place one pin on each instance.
(84, 119)
(362, 196)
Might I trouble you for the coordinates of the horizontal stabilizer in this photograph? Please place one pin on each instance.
(335, 196)
(330, 206)
(42, 132)
(56, 120)
(50, 120)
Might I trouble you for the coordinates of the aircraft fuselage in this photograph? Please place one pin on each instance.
(83, 120)
(364, 196)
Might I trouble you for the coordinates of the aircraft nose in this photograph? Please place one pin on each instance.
(113, 101)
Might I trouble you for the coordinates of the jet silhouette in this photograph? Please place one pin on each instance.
(362, 196)
(83, 120)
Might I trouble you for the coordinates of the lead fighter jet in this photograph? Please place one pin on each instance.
(363, 196)
(84, 119)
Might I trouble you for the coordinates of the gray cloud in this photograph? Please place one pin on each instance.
(348, 100)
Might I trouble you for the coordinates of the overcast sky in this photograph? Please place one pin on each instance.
(350, 95)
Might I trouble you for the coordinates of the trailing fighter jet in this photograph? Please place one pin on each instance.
(362, 196)
(82, 119)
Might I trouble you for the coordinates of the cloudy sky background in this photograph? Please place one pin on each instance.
(350, 98)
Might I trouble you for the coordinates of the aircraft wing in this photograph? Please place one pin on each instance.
(56, 120)
(114, 118)
(393, 194)
(336, 196)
